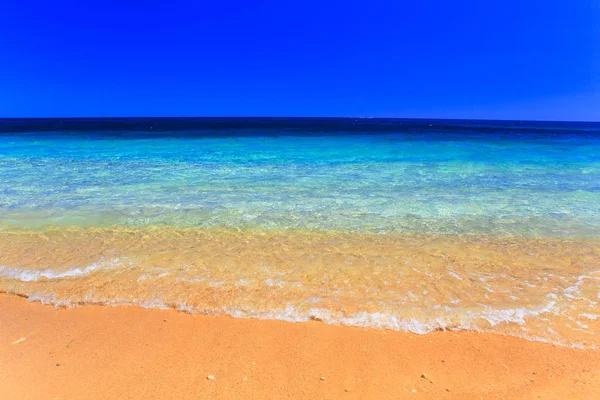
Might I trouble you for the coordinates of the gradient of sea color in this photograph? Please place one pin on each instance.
(404, 224)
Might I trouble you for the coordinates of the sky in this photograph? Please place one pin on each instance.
(537, 60)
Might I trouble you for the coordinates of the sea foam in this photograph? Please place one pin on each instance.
(378, 320)
(34, 275)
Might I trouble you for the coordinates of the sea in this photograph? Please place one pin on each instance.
(403, 224)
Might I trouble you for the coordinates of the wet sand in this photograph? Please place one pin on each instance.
(127, 352)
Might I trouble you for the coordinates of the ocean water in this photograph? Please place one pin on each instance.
(411, 225)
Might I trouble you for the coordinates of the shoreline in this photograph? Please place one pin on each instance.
(535, 288)
(128, 352)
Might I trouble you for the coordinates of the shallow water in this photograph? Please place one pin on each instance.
(410, 226)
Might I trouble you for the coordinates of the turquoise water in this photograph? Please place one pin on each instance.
(382, 177)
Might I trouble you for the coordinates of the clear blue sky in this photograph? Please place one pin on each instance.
(446, 59)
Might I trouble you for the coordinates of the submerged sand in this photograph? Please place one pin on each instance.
(537, 288)
(131, 353)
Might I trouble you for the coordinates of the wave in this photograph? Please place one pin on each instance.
(32, 275)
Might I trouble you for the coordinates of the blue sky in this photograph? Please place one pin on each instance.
(464, 59)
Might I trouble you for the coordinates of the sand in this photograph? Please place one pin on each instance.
(126, 352)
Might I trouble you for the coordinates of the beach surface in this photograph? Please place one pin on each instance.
(128, 352)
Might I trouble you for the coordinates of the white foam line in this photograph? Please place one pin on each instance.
(361, 319)
(33, 275)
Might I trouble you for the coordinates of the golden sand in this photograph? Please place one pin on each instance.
(129, 353)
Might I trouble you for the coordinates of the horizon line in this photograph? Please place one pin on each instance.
(300, 117)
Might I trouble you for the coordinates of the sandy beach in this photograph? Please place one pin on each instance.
(127, 352)
(313, 200)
